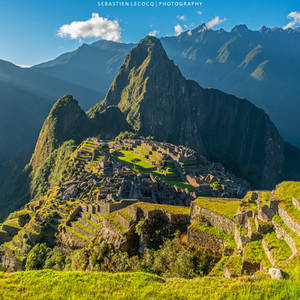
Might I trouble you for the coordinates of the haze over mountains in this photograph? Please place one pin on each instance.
(26, 98)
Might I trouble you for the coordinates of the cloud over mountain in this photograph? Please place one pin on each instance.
(214, 22)
(154, 32)
(178, 29)
(96, 26)
(295, 16)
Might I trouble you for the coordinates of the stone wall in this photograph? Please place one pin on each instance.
(123, 221)
(296, 203)
(215, 219)
(73, 215)
(282, 234)
(9, 259)
(204, 239)
(288, 220)
(70, 240)
(178, 221)
(269, 254)
(110, 207)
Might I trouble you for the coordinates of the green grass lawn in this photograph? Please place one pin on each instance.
(97, 285)
(224, 206)
(140, 164)
(134, 160)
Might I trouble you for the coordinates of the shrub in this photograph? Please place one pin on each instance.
(56, 260)
(37, 257)
(216, 186)
(126, 135)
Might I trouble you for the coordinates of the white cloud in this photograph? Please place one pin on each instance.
(24, 66)
(153, 33)
(295, 15)
(199, 12)
(178, 29)
(215, 21)
(97, 27)
(181, 18)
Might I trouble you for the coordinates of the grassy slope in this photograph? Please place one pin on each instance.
(80, 285)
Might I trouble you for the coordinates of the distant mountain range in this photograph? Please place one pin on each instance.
(262, 66)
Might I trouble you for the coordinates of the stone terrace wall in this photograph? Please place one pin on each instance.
(215, 219)
(110, 207)
(282, 234)
(288, 220)
(296, 203)
(207, 240)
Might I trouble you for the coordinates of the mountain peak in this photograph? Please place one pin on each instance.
(149, 41)
(147, 64)
(149, 45)
(66, 119)
(240, 28)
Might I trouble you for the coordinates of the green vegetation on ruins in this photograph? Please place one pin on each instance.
(224, 206)
(213, 231)
(278, 247)
(285, 192)
(234, 265)
(294, 236)
(109, 209)
(254, 252)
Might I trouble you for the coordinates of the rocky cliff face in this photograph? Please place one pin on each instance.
(157, 100)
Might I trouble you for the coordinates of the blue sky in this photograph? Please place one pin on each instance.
(29, 28)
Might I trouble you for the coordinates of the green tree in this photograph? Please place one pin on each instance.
(37, 256)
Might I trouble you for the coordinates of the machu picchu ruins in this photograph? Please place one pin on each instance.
(111, 187)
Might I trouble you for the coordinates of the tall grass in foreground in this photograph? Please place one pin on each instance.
(98, 285)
